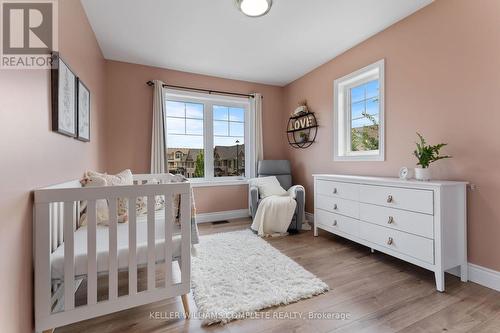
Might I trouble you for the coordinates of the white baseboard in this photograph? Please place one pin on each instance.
(477, 274)
(310, 217)
(221, 216)
(484, 276)
(480, 275)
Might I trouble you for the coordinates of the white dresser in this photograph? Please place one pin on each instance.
(424, 223)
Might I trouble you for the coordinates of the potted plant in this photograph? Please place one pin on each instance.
(426, 154)
(304, 137)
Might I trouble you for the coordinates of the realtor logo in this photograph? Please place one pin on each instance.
(29, 33)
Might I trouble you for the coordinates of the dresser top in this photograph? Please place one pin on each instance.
(389, 180)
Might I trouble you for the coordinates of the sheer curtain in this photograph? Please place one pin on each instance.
(258, 147)
(256, 111)
(158, 137)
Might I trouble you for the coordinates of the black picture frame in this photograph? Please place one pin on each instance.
(64, 113)
(82, 91)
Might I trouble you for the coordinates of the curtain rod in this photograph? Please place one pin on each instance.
(217, 92)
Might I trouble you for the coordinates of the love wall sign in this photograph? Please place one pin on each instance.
(302, 130)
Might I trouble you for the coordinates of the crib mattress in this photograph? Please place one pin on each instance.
(102, 241)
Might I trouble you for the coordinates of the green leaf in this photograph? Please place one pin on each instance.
(426, 154)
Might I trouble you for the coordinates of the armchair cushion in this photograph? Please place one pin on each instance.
(279, 168)
(268, 186)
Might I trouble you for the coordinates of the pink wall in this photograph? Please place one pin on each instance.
(33, 156)
(128, 123)
(442, 80)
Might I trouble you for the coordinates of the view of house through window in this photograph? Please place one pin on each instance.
(189, 143)
(364, 102)
(185, 139)
(229, 141)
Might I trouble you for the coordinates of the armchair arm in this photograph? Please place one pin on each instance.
(253, 196)
(299, 195)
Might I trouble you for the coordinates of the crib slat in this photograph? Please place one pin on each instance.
(42, 261)
(186, 238)
(168, 240)
(69, 257)
(92, 255)
(132, 244)
(60, 223)
(151, 243)
(53, 230)
(113, 251)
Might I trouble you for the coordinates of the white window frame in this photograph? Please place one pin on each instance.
(342, 115)
(208, 101)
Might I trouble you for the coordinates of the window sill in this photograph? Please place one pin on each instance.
(216, 183)
(359, 158)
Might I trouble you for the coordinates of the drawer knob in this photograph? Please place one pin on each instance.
(389, 199)
(391, 220)
(390, 241)
(335, 207)
(335, 191)
(335, 222)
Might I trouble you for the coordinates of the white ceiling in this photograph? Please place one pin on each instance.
(212, 37)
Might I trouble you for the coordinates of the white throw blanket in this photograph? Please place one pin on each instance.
(275, 214)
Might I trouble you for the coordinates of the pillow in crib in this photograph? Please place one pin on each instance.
(142, 202)
(92, 179)
(124, 177)
(268, 186)
(101, 204)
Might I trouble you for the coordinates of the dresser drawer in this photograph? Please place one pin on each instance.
(397, 197)
(333, 222)
(415, 223)
(338, 206)
(338, 189)
(402, 242)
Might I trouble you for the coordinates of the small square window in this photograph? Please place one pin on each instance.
(359, 115)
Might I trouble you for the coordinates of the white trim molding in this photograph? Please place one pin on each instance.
(222, 216)
(481, 275)
(209, 101)
(342, 113)
(216, 183)
(484, 276)
(310, 217)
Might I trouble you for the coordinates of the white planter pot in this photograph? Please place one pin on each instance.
(422, 174)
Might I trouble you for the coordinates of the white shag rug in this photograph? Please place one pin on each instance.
(237, 273)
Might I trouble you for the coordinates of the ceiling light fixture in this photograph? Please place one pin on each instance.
(254, 8)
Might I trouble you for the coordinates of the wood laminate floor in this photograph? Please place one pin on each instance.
(378, 293)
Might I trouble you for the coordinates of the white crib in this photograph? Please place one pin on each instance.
(129, 246)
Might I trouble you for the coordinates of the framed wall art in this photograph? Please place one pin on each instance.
(64, 91)
(83, 112)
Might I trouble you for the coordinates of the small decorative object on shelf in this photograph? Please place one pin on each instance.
(426, 154)
(404, 173)
(302, 127)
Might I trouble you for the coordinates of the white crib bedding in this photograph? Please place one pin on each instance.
(102, 240)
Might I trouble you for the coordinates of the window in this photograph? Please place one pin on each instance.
(207, 136)
(359, 115)
(185, 138)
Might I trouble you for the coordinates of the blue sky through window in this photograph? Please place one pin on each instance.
(185, 125)
(365, 104)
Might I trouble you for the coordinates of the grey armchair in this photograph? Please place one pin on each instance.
(282, 170)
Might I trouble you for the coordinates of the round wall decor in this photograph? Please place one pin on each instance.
(302, 129)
